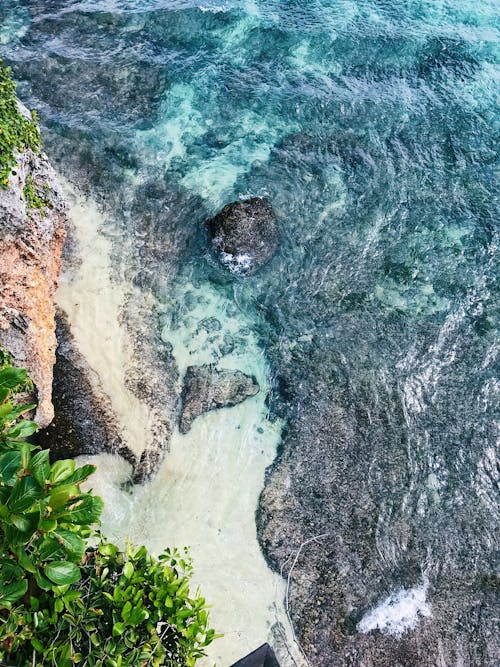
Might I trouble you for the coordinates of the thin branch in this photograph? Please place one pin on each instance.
(287, 593)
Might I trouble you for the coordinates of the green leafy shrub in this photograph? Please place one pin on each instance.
(62, 601)
(131, 609)
(17, 133)
(44, 517)
(35, 197)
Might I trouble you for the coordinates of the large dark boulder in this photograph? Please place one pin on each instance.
(244, 234)
(206, 388)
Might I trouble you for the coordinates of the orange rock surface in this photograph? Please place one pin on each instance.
(31, 242)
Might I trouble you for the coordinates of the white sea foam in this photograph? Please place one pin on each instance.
(399, 612)
(214, 9)
(236, 263)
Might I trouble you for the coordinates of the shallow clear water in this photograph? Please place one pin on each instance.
(372, 126)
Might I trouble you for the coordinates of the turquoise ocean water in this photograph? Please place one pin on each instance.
(372, 126)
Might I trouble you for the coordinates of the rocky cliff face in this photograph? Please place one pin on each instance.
(32, 231)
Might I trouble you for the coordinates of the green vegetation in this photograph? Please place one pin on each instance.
(34, 198)
(68, 596)
(17, 133)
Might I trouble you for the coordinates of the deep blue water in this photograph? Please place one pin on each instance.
(372, 126)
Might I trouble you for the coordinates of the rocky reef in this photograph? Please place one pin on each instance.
(244, 234)
(346, 543)
(206, 388)
(32, 232)
(156, 388)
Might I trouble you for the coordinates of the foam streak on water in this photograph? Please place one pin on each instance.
(398, 613)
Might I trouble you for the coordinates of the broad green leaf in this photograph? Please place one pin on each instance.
(15, 537)
(24, 493)
(42, 581)
(11, 443)
(137, 616)
(48, 525)
(61, 494)
(25, 522)
(40, 466)
(71, 542)
(118, 629)
(60, 590)
(10, 464)
(86, 509)
(108, 549)
(25, 450)
(140, 553)
(128, 569)
(61, 470)
(13, 592)
(22, 429)
(37, 645)
(11, 377)
(126, 609)
(10, 571)
(10, 412)
(5, 604)
(184, 613)
(6, 408)
(81, 474)
(71, 595)
(62, 572)
(183, 590)
(25, 561)
(50, 549)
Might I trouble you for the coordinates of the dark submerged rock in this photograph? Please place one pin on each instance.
(84, 422)
(152, 376)
(244, 234)
(206, 388)
(322, 511)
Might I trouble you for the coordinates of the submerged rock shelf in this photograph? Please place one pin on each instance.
(206, 388)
